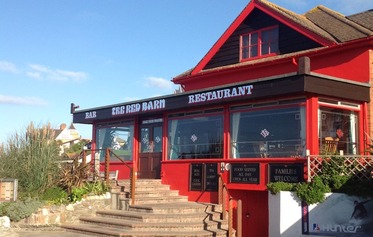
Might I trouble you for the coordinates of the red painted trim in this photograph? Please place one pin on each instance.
(312, 132)
(215, 48)
(165, 139)
(316, 53)
(259, 44)
(227, 137)
(364, 129)
(135, 145)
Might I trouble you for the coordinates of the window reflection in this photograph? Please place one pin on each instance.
(197, 137)
(340, 127)
(268, 133)
(118, 138)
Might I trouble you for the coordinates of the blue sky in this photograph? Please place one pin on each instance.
(96, 53)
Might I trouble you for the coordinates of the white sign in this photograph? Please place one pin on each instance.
(220, 94)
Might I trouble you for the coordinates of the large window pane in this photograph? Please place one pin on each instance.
(268, 133)
(118, 138)
(340, 127)
(195, 138)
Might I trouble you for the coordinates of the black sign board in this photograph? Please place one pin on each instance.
(244, 173)
(211, 177)
(288, 173)
(196, 177)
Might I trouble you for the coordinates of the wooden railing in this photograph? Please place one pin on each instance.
(108, 153)
(223, 195)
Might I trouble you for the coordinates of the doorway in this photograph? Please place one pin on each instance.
(150, 151)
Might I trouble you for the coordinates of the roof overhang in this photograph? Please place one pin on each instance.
(249, 90)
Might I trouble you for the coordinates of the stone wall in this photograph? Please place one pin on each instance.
(49, 216)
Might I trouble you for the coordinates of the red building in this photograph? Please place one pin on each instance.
(268, 92)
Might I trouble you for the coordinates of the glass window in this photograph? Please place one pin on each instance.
(195, 138)
(259, 43)
(117, 137)
(338, 131)
(268, 133)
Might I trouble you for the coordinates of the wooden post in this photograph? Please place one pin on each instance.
(230, 217)
(107, 165)
(220, 191)
(224, 200)
(84, 159)
(239, 219)
(133, 182)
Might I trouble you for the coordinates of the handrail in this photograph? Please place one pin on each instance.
(132, 174)
(109, 151)
(223, 194)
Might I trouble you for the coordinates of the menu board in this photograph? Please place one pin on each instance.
(211, 177)
(196, 177)
(245, 173)
(288, 173)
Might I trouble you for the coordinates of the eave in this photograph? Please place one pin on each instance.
(265, 7)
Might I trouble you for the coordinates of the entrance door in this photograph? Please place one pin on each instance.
(150, 151)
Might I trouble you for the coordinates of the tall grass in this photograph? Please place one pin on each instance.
(31, 158)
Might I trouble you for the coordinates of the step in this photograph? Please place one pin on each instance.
(160, 199)
(155, 218)
(143, 226)
(178, 207)
(94, 230)
(156, 193)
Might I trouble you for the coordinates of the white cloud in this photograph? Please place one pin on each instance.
(8, 67)
(43, 72)
(158, 82)
(15, 100)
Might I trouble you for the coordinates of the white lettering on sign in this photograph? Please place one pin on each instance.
(90, 115)
(220, 94)
(137, 107)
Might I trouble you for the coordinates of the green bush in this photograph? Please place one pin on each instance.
(276, 187)
(55, 195)
(19, 210)
(77, 194)
(96, 187)
(312, 192)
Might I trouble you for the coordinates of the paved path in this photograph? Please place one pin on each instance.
(37, 233)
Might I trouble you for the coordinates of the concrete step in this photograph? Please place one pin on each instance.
(161, 199)
(175, 208)
(156, 218)
(159, 226)
(158, 211)
(94, 230)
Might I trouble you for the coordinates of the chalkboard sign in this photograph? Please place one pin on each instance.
(244, 173)
(211, 177)
(196, 177)
(288, 173)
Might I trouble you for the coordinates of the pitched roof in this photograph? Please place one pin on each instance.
(364, 19)
(339, 26)
(298, 20)
(323, 25)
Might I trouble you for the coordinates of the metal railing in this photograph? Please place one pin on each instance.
(359, 167)
(106, 177)
(223, 195)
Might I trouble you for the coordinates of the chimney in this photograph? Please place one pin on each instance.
(304, 66)
(62, 126)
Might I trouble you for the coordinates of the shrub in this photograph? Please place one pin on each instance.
(55, 195)
(276, 187)
(312, 192)
(97, 187)
(19, 210)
